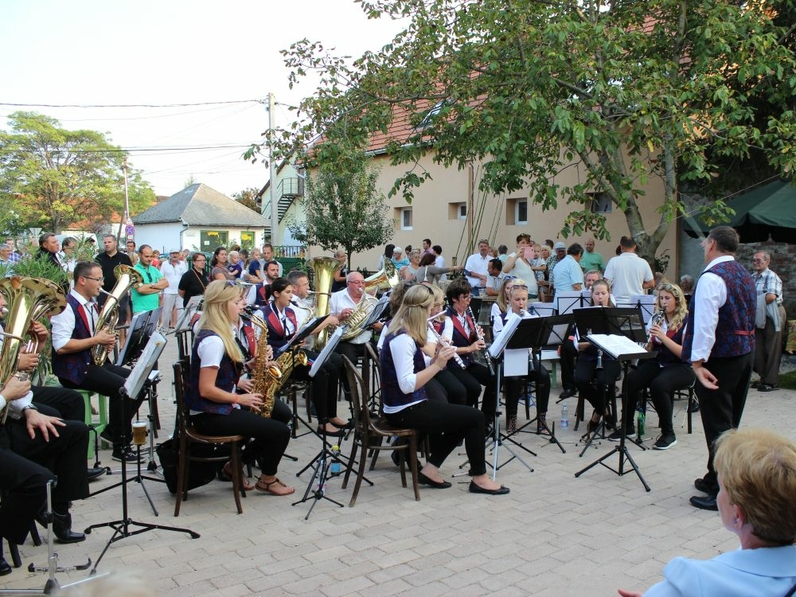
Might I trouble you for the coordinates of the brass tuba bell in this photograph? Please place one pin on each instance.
(126, 278)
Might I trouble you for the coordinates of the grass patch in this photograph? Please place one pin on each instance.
(788, 380)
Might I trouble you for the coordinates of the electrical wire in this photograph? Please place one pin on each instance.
(179, 105)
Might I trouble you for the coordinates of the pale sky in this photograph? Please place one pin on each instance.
(155, 52)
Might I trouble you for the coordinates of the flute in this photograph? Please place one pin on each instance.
(442, 342)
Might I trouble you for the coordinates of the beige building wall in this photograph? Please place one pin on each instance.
(434, 215)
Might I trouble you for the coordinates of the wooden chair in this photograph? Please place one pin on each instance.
(189, 436)
(368, 429)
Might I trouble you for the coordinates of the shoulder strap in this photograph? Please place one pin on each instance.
(791, 592)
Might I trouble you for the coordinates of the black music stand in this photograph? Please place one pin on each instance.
(321, 464)
(142, 326)
(622, 343)
(515, 338)
(540, 332)
(134, 384)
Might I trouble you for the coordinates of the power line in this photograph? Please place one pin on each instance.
(180, 105)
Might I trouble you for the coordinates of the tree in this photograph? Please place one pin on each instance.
(54, 177)
(343, 208)
(621, 90)
(248, 197)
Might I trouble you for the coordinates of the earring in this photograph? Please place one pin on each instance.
(736, 520)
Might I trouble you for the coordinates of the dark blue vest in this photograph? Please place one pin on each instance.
(390, 390)
(277, 337)
(228, 373)
(735, 330)
(74, 366)
(459, 338)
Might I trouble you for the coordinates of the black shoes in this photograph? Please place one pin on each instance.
(765, 387)
(701, 485)
(665, 442)
(5, 567)
(96, 472)
(617, 435)
(704, 502)
(477, 489)
(423, 480)
(61, 527)
(567, 393)
(125, 454)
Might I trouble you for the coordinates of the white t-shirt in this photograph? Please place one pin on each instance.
(627, 273)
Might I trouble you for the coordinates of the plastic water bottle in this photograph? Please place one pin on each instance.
(641, 424)
(564, 416)
(336, 468)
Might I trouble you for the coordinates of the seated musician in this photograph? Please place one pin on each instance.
(303, 308)
(665, 373)
(260, 293)
(282, 324)
(74, 334)
(406, 404)
(342, 305)
(536, 371)
(596, 375)
(501, 304)
(216, 407)
(460, 327)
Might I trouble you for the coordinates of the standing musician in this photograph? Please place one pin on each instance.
(74, 334)
(519, 300)
(216, 408)
(461, 329)
(282, 324)
(665, 373)
(594, 383)
(406, 404)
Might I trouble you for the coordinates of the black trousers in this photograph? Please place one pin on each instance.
(472, 379)
(513, 387)
(353, 352)
(446, 425)
(24, 483)
(568, 358)
(270, 436)
(453, 389)
(662, 382)
(722, 409)
(68, 403)
(108, 380)
(597, 385)
(323, 389)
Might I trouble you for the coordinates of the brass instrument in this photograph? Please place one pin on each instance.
(126, 278)
(442, 342)
(324, 268)
(29, 299)
(285, 361)
(656, 319)
(480, 334)
(264, 375)
(353, 323)
(386, 278)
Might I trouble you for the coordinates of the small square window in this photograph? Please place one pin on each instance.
(406, 218)
(601, 203)
(521, 212)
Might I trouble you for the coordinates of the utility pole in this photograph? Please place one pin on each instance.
(129, 229)
(275, 240)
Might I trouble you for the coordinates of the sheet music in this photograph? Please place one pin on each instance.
(566, 301)
(499, 343)
(135, 381)
(331, 344)
(615, 345)
(542, 309)
(646, 302)
(515, 362)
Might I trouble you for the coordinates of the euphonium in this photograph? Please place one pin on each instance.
(126, 278)
(29, 299)
(353, 323)
(324, 268)
(656, 319)
(384, 279)
(263, 374)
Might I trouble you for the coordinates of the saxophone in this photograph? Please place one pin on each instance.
(285, 361)
(263, 374)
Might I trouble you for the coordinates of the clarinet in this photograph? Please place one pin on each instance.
(442, 342)
(478, 333)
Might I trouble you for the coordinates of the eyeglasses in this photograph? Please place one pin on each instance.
(95, 279)
(357, 282)
(758, 260)
(518, 287)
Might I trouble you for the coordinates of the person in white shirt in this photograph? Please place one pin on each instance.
(477, 264)
(519, 264)
(628, 273)
(172, 271)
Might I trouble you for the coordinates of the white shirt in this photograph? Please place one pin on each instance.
(627, 273)
(63, 324)
(403, 350)
(497, 325)
(709, 296)
(342, 300)
(477, 265)
(440, 262)
(173, 273)
(15, 407)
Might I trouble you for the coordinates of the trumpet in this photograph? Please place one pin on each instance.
(442, 342)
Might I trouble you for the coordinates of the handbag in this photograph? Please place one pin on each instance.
(199, 473)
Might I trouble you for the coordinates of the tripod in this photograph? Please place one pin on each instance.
(139, 477)
(121, 527)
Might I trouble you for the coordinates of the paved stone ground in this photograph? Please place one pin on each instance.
(554, 535)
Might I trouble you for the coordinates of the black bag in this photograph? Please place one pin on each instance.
(199, 473)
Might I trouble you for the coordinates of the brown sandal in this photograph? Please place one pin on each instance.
(226, 475)
(266, 487)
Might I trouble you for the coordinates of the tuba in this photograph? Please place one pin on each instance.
(353, 325)
(29, 299)
(126, 278)
(324, 276)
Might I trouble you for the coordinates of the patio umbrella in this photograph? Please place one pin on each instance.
(767, 211)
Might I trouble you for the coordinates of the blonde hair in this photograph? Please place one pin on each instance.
(680, 311)
(215, 317)
(757, 468)
(412, 316)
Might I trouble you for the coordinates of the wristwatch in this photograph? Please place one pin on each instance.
(30, 407)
